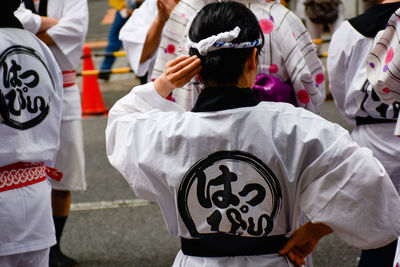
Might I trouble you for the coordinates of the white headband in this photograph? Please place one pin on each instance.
(220, 41)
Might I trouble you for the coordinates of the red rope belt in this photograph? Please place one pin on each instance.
(22, 174)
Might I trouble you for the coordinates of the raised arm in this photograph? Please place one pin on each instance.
(153, 37)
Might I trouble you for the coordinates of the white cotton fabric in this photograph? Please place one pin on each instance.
(288, 52)
(69, 35)
(322, 171)
(30, 259)
(207, 45)
(70, 158)
(133, 36)
(354, 97)
(26, 221)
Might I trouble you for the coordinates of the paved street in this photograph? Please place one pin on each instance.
(108, 225)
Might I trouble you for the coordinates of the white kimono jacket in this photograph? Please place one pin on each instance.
(69, 35)
(299, 160)
(30, 134)
(288, 52)
(355, 99)
(133, 35)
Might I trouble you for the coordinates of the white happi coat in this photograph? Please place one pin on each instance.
(133, 36)
(303, 162)
(29, 135)
(354, 97)
(69, 35)
(288, 52)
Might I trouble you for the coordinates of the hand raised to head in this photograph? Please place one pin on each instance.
(177, 73)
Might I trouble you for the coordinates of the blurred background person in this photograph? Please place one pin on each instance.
(124, 9)
(289, 55)
(30, 116)
(318, 14)
(142, 33)
(361, 106)
(62, 25)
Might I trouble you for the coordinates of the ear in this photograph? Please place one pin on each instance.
(252, 60)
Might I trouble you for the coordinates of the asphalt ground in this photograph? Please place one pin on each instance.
(108, 225)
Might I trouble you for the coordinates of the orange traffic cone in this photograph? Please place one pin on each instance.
(92, 101)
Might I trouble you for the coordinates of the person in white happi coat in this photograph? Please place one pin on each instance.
(357, 101)
(30, 116)
(316, 29)
(62, 25)
(141, 34)
(289, 53)
(383, 72)
(233, 176)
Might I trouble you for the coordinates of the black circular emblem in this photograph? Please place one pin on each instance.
(24, 87)
(229, 193)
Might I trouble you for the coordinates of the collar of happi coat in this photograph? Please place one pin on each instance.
(9, 21)
(223, 98)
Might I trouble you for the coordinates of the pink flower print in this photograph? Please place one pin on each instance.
(303, 96)
(320, 78)
(273, 68)
(389, 56)
(388, 59)
(170, 49)
(183, 15)
(267, 26)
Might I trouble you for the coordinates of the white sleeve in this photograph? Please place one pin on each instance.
(302, 64)
(30, 21)
(131, 125)
(339, 53)
(344, 182)
(70, 32)
(133, 35)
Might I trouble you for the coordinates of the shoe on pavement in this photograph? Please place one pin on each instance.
(104, 76)
(58, 259)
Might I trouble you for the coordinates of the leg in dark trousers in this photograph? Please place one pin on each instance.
(380, 257)
(114, 44)
(61, 201)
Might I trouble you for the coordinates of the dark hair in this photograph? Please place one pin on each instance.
(10, 6)
(224, 66)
